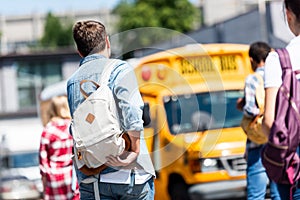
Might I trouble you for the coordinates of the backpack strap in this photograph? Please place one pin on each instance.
(109, 66)
(286, 67)
(93, 179)
(85, 95)
(288, 77)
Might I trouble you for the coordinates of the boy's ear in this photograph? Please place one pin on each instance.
(107, 42)
(289, 15)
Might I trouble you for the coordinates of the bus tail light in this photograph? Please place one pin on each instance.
(146, 73)
(161, 72)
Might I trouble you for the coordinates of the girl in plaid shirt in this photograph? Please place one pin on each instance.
(55, 153)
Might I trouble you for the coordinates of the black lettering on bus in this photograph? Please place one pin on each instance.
(196, 65)
(187, 67)
(228, 63)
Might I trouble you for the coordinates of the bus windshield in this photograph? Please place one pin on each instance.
(202, 111)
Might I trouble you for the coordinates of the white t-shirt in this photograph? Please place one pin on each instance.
(273, 70)
(123, 177)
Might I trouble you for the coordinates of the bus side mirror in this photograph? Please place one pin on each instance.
(146, 114)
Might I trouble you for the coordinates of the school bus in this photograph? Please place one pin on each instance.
(194, 137)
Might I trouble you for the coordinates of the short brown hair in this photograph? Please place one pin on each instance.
(259, 51)
(89, 36)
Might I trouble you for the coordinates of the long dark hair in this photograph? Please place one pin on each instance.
(294, 6)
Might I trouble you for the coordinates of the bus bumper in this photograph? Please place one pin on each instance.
(218, 190)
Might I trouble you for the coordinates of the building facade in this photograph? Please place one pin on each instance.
(19, 31)
(24, 76)
(23, 73)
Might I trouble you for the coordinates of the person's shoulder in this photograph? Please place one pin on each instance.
(119, 62)
(122, 69)
(250, 77)
(121, 65)
(253, 78)
(273, 55)
(272, 62)
(75, 77)
(70, 80)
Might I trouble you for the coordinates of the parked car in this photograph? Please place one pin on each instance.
(22, 163)
(18, 187)
(19, 149)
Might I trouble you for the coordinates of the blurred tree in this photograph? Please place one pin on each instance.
(177, 15)
(56, 34)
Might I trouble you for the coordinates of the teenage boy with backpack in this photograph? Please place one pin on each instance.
(131, 174)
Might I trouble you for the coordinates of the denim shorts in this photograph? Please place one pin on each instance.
(112, 191)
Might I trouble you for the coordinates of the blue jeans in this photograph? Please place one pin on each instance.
(257, 178)
(112, 191)
(284, 191)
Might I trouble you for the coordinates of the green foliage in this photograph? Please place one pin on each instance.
(132, 16)
(177, 15)
(56, 34)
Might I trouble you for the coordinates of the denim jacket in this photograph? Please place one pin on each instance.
(123, 83)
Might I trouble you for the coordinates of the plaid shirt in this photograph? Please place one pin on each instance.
(55, 161)
(250, 109)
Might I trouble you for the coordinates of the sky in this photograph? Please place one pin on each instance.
(24, 7)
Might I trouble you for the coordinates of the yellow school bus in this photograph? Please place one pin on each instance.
(194, 137)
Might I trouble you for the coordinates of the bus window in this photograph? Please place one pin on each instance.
(214, 110)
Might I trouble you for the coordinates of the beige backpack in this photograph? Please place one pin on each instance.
(95, 125)
(253, 126)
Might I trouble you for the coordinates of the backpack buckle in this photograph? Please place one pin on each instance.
(79, 156)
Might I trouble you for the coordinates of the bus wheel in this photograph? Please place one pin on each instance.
(178, 191)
